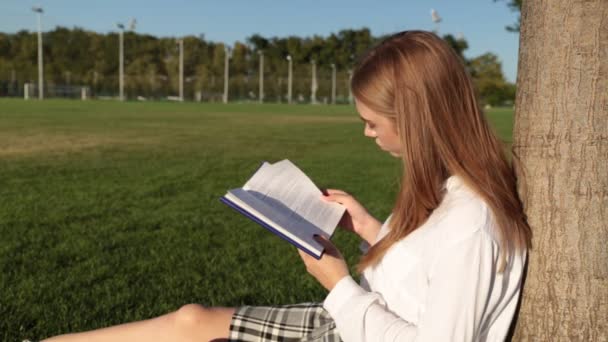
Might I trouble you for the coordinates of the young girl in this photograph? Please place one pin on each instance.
(447, 265)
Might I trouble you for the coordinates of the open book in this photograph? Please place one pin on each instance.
(281, 198)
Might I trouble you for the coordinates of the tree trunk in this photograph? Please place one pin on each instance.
(561, 141)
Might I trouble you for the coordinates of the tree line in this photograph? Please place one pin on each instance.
(77, 57)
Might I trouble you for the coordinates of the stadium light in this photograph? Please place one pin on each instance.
(227, 56)
(313, 83)
(261, 96)
(121, 70)
(39, 11)
(181, 69)
(289, 79)
(121, 56)
(333, 83)
(436, 19)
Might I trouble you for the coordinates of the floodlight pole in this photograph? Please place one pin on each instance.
(181, 70)
(289, 79)
(313, 85)
(121, 83)
(333, 83)
(226, 58)
(261, 96)
(39, 10)
(436, 19)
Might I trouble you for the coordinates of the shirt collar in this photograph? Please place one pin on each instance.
(453, 183)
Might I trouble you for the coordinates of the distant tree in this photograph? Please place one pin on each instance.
(514, 5)
(489, 80)
(459, 45)
(239, 67)
(152, 64)
(217, 68)
(258, 42)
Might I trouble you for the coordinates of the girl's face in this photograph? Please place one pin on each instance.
(380, 128)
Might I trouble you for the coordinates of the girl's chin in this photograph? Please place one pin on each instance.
(394, 154)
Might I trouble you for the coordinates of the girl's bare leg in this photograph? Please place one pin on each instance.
(191, 322)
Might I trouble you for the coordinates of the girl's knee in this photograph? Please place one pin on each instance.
(199, 323)
(192, 315)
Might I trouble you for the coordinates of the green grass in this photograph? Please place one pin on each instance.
(110, 212)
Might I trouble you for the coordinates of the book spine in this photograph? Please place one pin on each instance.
(269, 227)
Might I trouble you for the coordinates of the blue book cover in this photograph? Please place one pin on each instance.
(282, 199)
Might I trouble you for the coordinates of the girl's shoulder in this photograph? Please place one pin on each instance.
(462, 211)
(461, 214)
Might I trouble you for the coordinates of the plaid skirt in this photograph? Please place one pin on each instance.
(299, 322)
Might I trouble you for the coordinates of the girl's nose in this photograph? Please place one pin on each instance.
(368, 132)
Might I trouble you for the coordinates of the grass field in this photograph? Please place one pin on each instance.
(110, 212)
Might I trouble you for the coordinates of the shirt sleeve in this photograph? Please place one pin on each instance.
(459, 288)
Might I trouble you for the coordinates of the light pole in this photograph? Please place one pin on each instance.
(261, 96)
(39, 10)
(121, 70)
(289, 79)
(333, 83)
(121, 57)
(181, 69)
(436, 19)
(227, 55)
(313, 83)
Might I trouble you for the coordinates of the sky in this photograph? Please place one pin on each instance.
(482, 22)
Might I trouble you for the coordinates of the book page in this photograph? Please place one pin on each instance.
(283, 182)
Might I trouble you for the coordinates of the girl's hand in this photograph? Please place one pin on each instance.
(328, 270)
(356, 218)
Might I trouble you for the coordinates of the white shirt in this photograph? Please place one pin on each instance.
(440, 283)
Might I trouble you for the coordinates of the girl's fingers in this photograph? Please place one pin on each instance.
(335, 191)
(305, 257)
(330, 248)
(340, 198)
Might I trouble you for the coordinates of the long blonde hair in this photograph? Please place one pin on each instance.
(418, 81)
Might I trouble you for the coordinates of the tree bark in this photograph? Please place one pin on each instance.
(561, 144)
